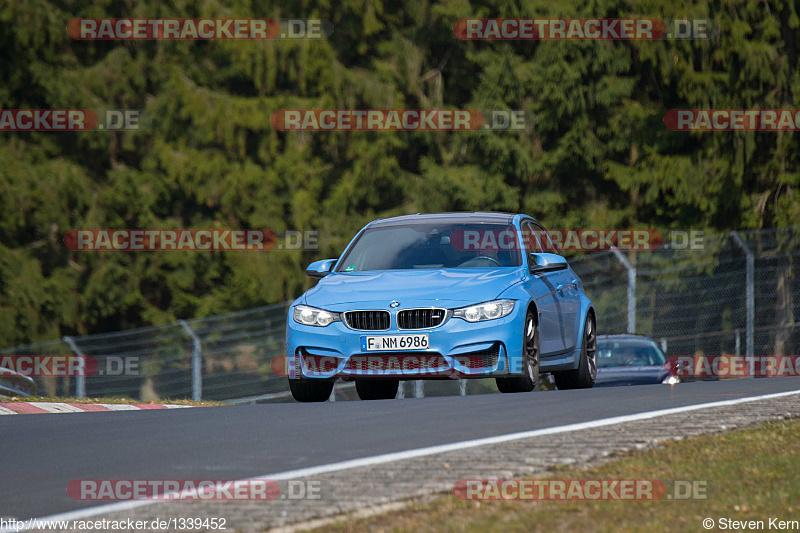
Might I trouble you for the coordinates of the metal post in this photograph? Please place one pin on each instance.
(631, 288)
(80, 379)
(750, 295)
(462, 387)
(197, 361)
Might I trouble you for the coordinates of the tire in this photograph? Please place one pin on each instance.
(377, 389)
(583, 377)
(530, 367)
(311, 390)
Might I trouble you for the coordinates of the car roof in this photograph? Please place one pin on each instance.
(474, 217)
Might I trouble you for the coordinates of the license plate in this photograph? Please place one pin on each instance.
(394, 342)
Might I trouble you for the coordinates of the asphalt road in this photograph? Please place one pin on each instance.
(43, 453)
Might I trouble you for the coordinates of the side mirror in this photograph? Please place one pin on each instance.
(320, 269)
(539, 263)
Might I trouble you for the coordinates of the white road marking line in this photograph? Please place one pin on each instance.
(54, 407)
(422, 452)
(119, 407)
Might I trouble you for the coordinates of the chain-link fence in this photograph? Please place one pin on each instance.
(726, 294)
(213, 358)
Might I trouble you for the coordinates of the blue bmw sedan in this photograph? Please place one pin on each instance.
(442, 296)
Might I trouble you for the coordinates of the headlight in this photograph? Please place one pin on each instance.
(311, 316)
(485, 311)
(671, 380)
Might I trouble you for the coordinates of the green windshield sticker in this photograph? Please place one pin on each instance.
(350, 268)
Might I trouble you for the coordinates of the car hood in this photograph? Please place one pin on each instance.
(450, 287)
(630, 375)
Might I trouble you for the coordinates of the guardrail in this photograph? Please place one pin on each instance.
(15, 384)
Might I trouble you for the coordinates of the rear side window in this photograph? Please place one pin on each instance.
(547, 243)
(532, 237)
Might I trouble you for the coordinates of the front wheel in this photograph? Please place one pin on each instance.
(311, 390)
(530, 362)
(583, 377)
(377, 389)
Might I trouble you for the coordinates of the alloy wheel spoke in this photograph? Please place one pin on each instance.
(531, 351)
(591, 348)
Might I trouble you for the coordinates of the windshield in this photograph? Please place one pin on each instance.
(426, 245)
(630, 352)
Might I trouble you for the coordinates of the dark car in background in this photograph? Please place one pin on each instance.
(631, 360)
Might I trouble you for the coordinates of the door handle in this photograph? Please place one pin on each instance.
(560, 288)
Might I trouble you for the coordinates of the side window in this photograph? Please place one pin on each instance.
(547, 242)
(532, 237)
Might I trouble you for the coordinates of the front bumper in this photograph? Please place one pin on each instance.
(457, 349)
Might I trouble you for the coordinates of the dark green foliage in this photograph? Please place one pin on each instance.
(599, 155)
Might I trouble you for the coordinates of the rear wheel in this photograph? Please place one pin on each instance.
(583, 377)
(377, 389)
(311, 390)
(530, 362)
